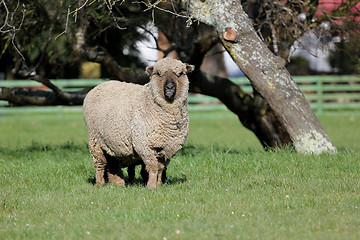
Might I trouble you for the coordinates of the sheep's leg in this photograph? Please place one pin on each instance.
(131, 174)
(144, 174)
(153, 170)
(115, 173)
(116, 177)
(99, 162)
(150, 161)
(161, 178)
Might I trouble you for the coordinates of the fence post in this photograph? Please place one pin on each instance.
(319, 96)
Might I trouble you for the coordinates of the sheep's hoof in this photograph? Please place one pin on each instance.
(118, 184)
(100, 184)
(151, 186)
(116, 181)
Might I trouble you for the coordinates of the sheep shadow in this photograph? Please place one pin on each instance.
(187, 151)
(138, 181)
(193, 150)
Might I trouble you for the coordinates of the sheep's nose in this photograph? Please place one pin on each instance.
(169, 89)
(170, 84)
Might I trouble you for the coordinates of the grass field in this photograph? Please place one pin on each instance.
(222, 185)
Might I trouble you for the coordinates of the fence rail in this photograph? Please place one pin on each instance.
(337, 94)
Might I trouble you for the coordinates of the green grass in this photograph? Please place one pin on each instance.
(222, 185)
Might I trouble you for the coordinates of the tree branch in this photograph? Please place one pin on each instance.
(253, 112)
(22, 97)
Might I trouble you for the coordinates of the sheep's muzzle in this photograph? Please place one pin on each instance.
(169, 90)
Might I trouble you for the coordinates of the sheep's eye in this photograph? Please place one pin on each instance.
(180, 74)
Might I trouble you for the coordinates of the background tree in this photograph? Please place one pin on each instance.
(50, 39)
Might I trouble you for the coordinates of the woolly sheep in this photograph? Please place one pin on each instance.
(130, 124)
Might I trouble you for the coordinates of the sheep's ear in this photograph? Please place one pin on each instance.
(149, 70)
(189, 68)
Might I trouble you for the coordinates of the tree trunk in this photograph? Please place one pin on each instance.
(266, 72)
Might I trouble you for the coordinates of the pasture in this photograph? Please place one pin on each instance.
(221, 185)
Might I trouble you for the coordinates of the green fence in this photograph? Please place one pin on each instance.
(335, 94)
(330, 94)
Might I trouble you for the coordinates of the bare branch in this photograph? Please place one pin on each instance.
(109, 6)
(66, 23)
(12, 29)
(49, 84)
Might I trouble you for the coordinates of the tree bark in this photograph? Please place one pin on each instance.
(266, 72)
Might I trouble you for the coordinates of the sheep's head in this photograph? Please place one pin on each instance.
(168, 78)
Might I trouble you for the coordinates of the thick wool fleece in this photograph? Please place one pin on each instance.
(135, 123)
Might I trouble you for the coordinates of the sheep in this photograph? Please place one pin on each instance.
(130, 124)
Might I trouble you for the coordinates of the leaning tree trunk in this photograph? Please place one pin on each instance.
(266, 72)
